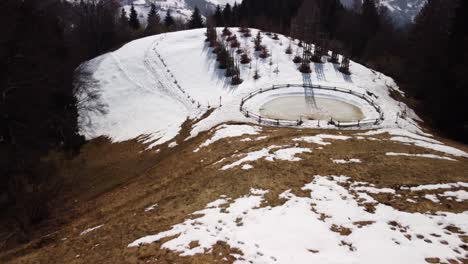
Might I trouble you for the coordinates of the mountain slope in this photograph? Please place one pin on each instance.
(402, 11)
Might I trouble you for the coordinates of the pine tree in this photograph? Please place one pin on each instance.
(258, 42)
(133, 21)
(153, 25)
(236, 79)
(169, 20)
(196, 20)
(344, 67)
(227, 15)
(370, 17)
(289, 49)
(123, 27)
(334, 57)
(245, 58)
(218, 16)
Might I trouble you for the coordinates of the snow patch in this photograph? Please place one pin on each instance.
(281, 154)
(342, 161)
(430, 156)
(297, 232)
(90, 230)
(226, 131)
(319, 139)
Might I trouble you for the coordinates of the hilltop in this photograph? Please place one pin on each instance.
(176, 171)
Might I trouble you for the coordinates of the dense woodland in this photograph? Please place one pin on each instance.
(44, 41)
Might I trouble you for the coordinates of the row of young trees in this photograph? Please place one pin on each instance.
(426, 57)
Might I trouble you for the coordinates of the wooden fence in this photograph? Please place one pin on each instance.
(280, 122)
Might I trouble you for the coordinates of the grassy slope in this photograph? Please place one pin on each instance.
(114, 183)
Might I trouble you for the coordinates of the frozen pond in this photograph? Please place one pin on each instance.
(316, 108)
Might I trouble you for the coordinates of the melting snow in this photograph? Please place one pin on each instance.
(430, 156)
(437, 147)
(460, 195)
(225, 131)
(90, 230)
(247, 167)
(342, 161)
(437, 186)
(282, 154)
(318, 139)
(297, 232)
(151, 207)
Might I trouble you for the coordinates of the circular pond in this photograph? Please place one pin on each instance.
(305, 107)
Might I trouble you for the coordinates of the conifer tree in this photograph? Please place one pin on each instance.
(245, 58)
(236, 79)
(133, 21)
(258, 42)
(227, 15)
(169, 20)
(289, 49)
(218, 16)
(334, 57)
(344, 67)
(370, 17)
(153, 23)
(123, 27)
(196, 20)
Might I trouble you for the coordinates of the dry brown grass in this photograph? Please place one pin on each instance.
(113, 184)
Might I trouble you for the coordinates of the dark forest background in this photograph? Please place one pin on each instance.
(42, 42)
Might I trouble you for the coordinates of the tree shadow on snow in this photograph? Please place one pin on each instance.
(309, 94)
(346, 77)
(319, 71)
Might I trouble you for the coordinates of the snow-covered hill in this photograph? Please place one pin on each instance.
(150, 86)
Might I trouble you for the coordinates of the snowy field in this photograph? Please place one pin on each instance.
(152, 85)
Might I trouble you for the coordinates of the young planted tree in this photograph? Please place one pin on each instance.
(226, 32)
(236, 78)
(196, 20)
(297, 57)
(245, 58)
(317, 54)
(264, 53)
(153, 22)
(234, 42)
(258, 42)
(133, 21)
(344, 67)
(222, 56)
(289, 49)
(256, 72)
(334, 57)
(230, 69)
